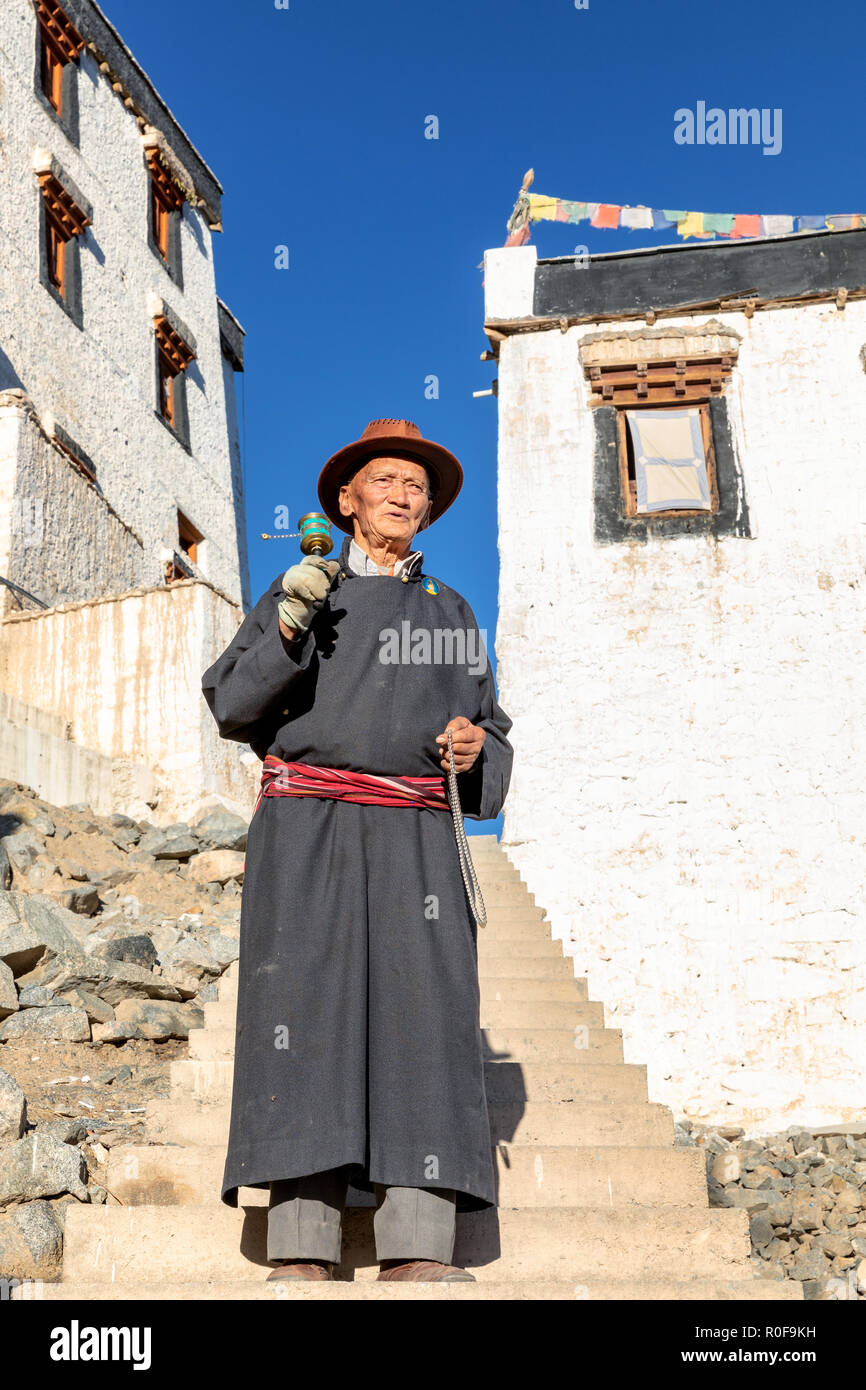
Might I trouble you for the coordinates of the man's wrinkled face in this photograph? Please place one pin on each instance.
(389, 499)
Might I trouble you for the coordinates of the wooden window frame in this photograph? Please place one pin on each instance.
(167, 374)
(160, 213)
(55, 252)
(51, 65)
(173, 356)
(64, 219)
(625, 455)
(669, 383)
(173, 572)
(189, 537)
(166, 200)
(59, 43)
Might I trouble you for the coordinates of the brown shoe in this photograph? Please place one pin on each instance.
(302, 1269)
(423, 1272)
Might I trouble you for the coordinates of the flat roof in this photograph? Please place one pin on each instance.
(653, 278)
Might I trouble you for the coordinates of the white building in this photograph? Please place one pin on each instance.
(681, 648)
(122, 538)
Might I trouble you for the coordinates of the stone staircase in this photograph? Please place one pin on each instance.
(595, 1202)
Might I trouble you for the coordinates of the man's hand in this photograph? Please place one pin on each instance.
(306, 587)
(466, 740)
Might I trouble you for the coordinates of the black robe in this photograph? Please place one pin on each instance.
(358, 1038)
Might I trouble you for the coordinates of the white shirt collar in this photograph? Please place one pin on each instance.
(362, 563)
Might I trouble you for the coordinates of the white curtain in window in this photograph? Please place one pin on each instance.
(670, 463)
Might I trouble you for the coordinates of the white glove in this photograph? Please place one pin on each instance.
(306, 585)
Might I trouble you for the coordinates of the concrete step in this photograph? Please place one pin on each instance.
(612, 1290)
(504, 1082)
(550, 966)
(528, 1175)
(533, 972)
(155, 1245)
(503, 1044)
(493, 947)
(515, 990)
(579, 1123)
(495, 1013)
(506, 893)
(520, 948)
(496, 989)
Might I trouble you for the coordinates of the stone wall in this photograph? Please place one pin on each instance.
(687, 799)
(60, 538)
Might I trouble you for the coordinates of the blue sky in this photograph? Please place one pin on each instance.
(313, 120)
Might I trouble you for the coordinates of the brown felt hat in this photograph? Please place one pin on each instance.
(385, 437)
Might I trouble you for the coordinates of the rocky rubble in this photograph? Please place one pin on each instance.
(805, 1192)
(113, 934)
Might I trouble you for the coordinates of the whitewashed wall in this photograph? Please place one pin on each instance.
(99, 382)
(36, 751)
(689, 798)
(124, 672)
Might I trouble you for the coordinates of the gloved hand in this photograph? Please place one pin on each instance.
(306, 585)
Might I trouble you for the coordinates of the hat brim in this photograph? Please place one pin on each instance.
(447, 472)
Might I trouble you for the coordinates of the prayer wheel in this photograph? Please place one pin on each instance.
(314, 530)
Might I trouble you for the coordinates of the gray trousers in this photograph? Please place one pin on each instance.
(411, 1223)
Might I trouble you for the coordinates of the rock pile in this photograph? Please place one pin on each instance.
(805, 1192)
(113, 934)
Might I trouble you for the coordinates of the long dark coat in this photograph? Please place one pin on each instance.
(358, 1038)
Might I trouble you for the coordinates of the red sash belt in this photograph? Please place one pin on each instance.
(305, 779)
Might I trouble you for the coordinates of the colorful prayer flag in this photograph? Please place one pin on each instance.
(747, 224)
(722, 222)
(607, 215)
(702, 225)
(693, 225)
(575, 212)
(540, 207)
(776, 225)
(636, 218)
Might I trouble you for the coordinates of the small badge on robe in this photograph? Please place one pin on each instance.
(430, 586)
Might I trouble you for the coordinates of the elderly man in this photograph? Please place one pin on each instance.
(358, 1053)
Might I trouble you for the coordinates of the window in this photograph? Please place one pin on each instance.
(188, 537)
(51, 73)
(167, 373)
(54, 247)
(664, 459)
(173, 356)
(62, 221)
(176, 568)
(667, 460)
(164, 214)
(59, 44)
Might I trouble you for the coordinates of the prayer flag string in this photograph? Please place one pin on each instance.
(705, 226)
